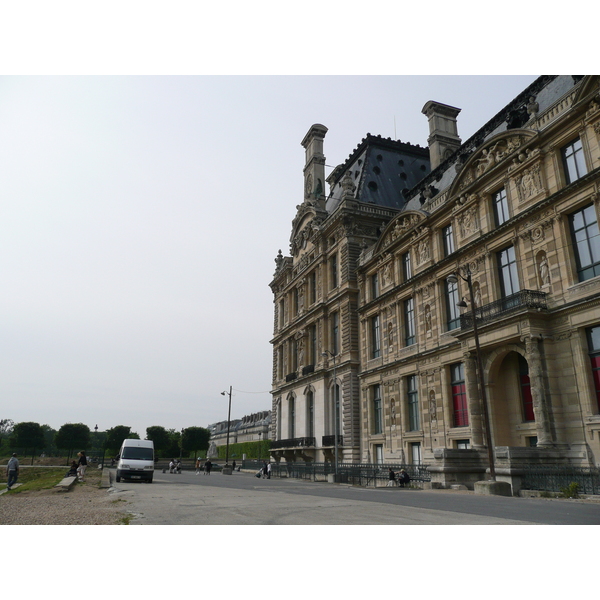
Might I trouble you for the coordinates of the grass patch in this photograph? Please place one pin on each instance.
(35, 478)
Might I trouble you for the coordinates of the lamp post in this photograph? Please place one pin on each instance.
(259, 448)
(228, 423)
(181, 445)
(452, 278)
(335, 409)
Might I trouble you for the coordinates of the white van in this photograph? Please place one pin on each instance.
(136, 460)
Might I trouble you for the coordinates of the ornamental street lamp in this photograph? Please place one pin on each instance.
(335, 409)
(453, 279)
(228, 424)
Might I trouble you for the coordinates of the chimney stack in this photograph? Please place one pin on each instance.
(314, 169)
(443, 131)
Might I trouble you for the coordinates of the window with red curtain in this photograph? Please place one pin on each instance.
(459, 395)
(526, 398)
(593, 335)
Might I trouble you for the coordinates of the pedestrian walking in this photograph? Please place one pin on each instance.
(12, 471)
(391, 478)
(207, 467)
(269, 470)
(264, 469)
(81, 465)
(198, 466)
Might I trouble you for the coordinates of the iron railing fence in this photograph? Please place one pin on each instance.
(523, 299)
(357, 474)
(554, 478)
(302, 442)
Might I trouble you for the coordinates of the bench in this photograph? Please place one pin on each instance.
(66, 483)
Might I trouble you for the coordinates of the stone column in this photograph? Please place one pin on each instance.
(474, 401)
(540, 402)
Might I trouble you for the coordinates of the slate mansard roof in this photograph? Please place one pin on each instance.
(383, 171)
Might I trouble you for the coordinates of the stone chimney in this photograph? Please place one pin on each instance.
(314, 169)
(443, 132)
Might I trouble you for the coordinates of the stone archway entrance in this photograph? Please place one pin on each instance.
(512, 415)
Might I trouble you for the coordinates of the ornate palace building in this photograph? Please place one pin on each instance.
(421, 264)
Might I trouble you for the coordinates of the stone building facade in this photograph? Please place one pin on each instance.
(250, 428)
(512, 214)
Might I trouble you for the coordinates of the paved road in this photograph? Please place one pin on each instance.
(242, 499)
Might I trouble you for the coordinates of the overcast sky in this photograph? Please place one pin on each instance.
(141, 216)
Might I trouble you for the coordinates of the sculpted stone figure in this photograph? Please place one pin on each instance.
(544, 271)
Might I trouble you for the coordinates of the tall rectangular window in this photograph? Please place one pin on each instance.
(281, 313)
(377, 410)
(500, 203)
(291, 418)
(507, 266)
(452, 312)
(406, 266)
(294, 355)
(525, 384)
(374, 286)
(459, 395)
(375, 337)
(593, 336)
(415, 453)
(448, 240)
(313, 287)
(312, 345)
(335, 333)
(310, 414)
(574, 161)
(333, 272)
(414, 422)
(409, 322)
(584, 226)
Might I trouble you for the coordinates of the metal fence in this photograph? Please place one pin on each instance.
(366, 474)
(554, 478)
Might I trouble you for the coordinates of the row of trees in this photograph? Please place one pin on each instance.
(30, 438)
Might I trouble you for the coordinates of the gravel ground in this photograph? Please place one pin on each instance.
(84, 504)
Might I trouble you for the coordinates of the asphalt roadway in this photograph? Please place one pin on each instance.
(243, 499)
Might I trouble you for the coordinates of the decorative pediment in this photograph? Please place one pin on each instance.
(304, 228)
(589, 85)
(492, 154)
(399, 227)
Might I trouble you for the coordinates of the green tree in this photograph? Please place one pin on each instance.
(6, 428)
(27, 436)
(174, 443)
(49, 435)
(161, 438)
(71, 436)
(116, 435)
(195, 439)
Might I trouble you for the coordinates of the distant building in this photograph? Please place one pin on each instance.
(515, 209)
(251, 428)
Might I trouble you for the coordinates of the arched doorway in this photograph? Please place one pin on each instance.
(511, 403)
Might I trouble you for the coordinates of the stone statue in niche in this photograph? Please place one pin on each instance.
(476, 294)
(423, 251)
(387, 274)
(432, 409)
(428, 320)
(544, 270)
(393, 411)
(390, 335)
